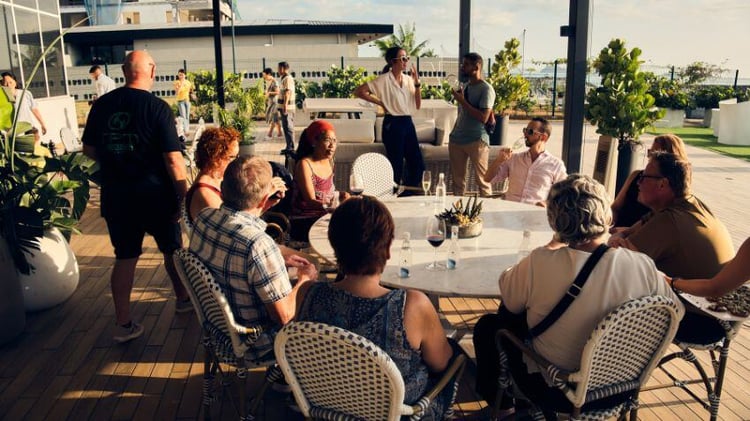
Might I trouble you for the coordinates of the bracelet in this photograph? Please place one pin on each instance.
(417, 85)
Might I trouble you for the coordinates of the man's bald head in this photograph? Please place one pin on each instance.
(139, 70)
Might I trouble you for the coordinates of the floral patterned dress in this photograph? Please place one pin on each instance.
(380, 320)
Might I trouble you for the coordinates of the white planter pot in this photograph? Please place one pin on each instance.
(672, 118)
(55, 275)
(247, 150)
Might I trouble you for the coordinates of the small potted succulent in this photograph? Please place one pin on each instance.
(467, 217)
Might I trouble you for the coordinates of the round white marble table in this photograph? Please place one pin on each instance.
(482, 258)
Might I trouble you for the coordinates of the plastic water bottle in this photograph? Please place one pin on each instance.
(525, 248)
(440, 193)
(454, 252)
(404, 260)
(201, 124)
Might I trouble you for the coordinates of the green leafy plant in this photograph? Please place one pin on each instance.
(441, 91)
(37, 193)
(509, 88)
(709, 96)
(406, 38)
(342, 82)
(621, 107)
(667, 93)
(462, 215)
(306, 89)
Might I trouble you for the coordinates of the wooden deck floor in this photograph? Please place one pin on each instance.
(66, 366)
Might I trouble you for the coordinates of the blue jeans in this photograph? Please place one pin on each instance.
(287, 125)
(184, 108)
(400, 141)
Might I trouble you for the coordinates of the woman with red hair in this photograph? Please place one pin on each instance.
(313, 177)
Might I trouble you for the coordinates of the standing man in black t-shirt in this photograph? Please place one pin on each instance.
(132, 135)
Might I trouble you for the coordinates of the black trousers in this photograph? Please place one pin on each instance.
(287, 125)
(400, 141)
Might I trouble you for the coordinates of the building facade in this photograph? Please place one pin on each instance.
(28, 28)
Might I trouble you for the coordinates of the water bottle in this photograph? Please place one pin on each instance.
(525, 248)
(404, 260)
(454, 252)
(440, 193)
(201, 124)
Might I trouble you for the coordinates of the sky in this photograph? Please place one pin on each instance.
(669, 32)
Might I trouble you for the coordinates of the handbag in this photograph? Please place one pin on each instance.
(571, 294)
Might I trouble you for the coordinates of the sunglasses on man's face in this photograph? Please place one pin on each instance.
(529, 131)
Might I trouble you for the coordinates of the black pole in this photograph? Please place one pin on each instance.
(217, 54)
(264, 63)
(342, 62)
(671, 75)
(575, 82)
(106, 72)
(234, 59)
(736, 76)
(554, 90)
(464, 34)
(184, 64)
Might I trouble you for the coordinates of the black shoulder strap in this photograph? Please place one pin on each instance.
(573, 291)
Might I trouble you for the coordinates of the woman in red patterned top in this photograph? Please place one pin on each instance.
(313, 176)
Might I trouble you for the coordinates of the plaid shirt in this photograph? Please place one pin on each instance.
(247, 264)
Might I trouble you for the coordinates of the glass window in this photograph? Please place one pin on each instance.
(54, 59)
(27, 3)
(31, 50)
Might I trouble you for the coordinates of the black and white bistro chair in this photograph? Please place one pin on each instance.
(224, 340)
(338, 375)
(616, 362)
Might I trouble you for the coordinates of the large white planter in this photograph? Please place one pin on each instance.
(247, 150)
(55, 276)
(672, 118)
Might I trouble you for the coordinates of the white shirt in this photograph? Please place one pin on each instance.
(24, 108)
(104, 84)
(398, 99)
(530, 181)
(537, 283)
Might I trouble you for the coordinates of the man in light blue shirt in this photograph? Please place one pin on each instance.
(469, 138)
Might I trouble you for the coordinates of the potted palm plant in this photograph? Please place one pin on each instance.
(244, 105)
(670, 96)
(621, 107)
(510, 89)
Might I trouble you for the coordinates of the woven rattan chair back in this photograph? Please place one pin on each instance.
(336, 374)
(626, 346)
(376, 173)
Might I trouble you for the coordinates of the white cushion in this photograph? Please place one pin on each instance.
(425, 129)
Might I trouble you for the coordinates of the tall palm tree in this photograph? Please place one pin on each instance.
(406, 39)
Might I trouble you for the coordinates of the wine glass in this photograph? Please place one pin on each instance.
(426, 182)
(435, 234)
(356, 184)
(453, 82)
(519, 143)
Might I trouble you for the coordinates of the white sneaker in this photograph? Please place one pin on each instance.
(124, 334)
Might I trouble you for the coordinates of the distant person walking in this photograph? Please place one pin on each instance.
(272, 102)
(400, 97)
(102, 82)
(469, 139)
(183, 87)
(131, 134)
(286, 106)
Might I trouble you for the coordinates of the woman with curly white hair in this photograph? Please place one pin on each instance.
(578, 210)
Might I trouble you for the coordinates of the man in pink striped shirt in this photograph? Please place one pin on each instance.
(530, 173)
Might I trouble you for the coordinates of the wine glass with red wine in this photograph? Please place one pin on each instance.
(435, 235)
(356, 184)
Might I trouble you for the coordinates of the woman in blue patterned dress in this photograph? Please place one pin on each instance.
(403, 323)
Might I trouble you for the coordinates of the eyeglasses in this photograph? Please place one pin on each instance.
(402, 58)
(329, 141)
(641, 176)
(529, 131)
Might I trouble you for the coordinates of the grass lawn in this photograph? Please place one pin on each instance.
(704, 138)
